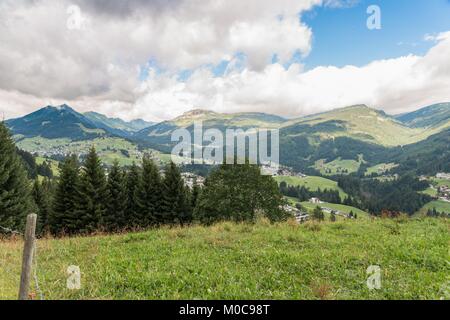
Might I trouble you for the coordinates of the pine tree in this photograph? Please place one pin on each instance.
(63, 218)
(92, 195)
(15, 194)
(150, 194)
(333, 216)
(175, 206)
(318, 214)
(116, 206)
(43, 197)
(133, 181)
(195, 194)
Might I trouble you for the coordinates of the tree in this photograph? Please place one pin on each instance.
(333, 216)
(115, 217)
(195, 194)
(92, 195)
(15, 194)
(175, 206)
(133, 181)
(238, 193)
(149, 194)
(318, 214)
(63, 218)
(43, 197)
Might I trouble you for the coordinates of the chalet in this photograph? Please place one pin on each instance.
(315, 201)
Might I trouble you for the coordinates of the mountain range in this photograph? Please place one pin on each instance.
(358, 133)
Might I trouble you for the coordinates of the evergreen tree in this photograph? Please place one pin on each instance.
(92, 195)
(318, 214)
(43, 197)
(63, 218)
(133, 181)
(15, 194)
(150, 194)
(333, 216)
(116, 206)
(175, 206)
(195, 194)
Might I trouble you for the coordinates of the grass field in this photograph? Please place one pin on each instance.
(381, 168)
(339, 207)
(441, 206)
(108, 148)
(312, 183)
(337, 167)
(261, 261)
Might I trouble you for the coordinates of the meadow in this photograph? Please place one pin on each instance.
(244, 261)
(312, 183)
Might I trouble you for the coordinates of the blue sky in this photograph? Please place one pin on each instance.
(341, 36)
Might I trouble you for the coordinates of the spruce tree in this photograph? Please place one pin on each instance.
(92, 195)
(63, 218)
(175, 206)
(133, 181)
(15, 194)
(150, 194)
(116, 206)
(318, 214)
(43, 197)
(195, 194)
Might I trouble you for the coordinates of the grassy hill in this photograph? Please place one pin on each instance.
(228, 261)
(441, 206)
(362, 123)
(312, 183)
(339, 207)
(108, 148)
(337, 166)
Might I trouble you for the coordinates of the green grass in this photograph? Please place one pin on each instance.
(228, 261)
(440, 182)
(340, 207)
(108, 148)
(54, 165)
(337, 166)
(441, 206)
(312, 183)
(381, 168)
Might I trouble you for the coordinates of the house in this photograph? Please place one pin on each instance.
(443, 175)
(315, 201)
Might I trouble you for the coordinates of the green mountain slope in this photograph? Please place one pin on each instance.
(55, 122)
(428, 117)
(117, 125)
(357, 122)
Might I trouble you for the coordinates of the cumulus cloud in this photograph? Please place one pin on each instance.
(97, 59)
(394, 85)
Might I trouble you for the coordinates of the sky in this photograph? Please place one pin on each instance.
(160, 58)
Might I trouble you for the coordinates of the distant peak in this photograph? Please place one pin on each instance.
(60, 107)
(195, 113)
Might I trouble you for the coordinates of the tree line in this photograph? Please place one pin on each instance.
(86, 197)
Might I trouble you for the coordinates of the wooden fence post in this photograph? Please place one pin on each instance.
(27, 260)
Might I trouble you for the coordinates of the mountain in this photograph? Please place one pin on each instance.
(116, 125)
(429, 117)
(159, 135)
(351, 138)
(357, 122)
(55, 122)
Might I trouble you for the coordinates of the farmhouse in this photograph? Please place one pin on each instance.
(315, 201)
(443, 175)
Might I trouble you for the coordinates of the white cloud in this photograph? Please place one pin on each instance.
(97, 66)
(395, 85)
